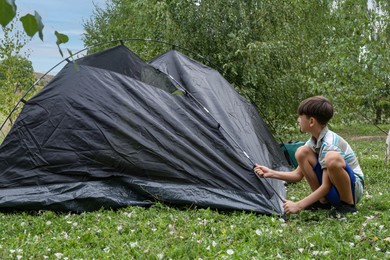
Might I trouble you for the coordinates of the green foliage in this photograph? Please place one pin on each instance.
(165, 232)
(7, 11)
(61, 38)
(31, 23)
(274, 52)
(16, 71)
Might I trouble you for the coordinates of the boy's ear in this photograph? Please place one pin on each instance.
(312, 121)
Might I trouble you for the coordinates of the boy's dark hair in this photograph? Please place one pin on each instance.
(318, 107)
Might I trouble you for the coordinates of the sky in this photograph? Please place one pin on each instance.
(64, 16)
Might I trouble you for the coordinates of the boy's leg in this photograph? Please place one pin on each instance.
(340, 178)
(307, 160)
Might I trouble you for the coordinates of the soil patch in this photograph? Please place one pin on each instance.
(368, 137)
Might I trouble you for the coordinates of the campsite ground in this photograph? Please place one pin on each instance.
(164, 232)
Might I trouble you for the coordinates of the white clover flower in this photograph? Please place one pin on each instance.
(368, 195)
(230, 252)
(300, 250)
(315, 252)
(59, 255)
(119, 228)
(19, 257)
(171, 229)
(48, 223)
(351, 244)
(133, 244)
(213, 243)
(202, 222)
(160, 256)
(106, 250)
(258, 232)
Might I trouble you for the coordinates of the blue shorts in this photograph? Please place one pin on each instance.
(333, 196)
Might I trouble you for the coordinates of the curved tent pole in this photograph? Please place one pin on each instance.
(174, 46)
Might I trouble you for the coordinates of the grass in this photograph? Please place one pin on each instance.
(165, 232)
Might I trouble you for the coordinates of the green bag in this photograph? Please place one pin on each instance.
(289, 150)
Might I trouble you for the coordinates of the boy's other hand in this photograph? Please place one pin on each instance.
(291, 207)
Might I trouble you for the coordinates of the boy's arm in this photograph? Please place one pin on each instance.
(294, 207)
(292, 176)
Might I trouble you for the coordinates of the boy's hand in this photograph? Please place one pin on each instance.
(262, 171)
(291, 207)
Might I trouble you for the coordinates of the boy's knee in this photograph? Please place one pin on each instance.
(334, 160)
(303, 153)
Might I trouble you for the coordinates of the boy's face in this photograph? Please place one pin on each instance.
(304, 123)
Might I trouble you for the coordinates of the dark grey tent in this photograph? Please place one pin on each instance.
(113, 130)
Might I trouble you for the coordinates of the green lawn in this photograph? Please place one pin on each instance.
(165, 232)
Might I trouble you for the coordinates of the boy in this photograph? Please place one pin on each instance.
(326, 161)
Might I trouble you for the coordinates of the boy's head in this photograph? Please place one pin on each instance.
(318, 107)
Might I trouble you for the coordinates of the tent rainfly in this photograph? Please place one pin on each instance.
(111, 130)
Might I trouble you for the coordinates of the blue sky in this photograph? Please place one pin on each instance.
(64, 16)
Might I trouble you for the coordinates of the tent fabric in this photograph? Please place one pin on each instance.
(111, 130)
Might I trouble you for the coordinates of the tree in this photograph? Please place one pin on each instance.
(257, 46)
(16, 71)
(355, 69)
(274, 52)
